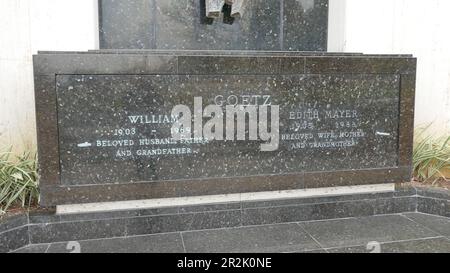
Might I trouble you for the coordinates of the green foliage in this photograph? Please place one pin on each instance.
(431, 156)
(18, 181)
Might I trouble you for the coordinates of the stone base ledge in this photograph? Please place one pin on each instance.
(49, 227)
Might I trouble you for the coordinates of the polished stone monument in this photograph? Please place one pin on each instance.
(106, 117)
(109, 120)
(105, 122)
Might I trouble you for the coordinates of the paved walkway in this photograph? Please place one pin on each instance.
(408, 232)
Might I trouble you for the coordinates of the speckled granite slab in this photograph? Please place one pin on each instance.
(341, 223)
(183, 24)
(104, 122)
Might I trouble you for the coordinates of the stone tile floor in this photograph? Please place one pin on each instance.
(399, 233)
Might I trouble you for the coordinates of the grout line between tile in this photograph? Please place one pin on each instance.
(312, 237)
(428, 214)
(422, 225)
(389, 242)
(182, 241)
(48, 248)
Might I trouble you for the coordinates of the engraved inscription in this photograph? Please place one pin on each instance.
(119, 129)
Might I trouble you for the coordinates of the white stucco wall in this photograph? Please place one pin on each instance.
(370, 26)
(25, 27)
(402, 26)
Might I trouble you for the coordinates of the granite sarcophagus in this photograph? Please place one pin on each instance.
(105, 122)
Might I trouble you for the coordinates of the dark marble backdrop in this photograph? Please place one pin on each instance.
(273, 25)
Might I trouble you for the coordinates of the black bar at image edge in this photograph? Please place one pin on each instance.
(292, 262)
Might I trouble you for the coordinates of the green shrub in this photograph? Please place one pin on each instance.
(18, 181)
(431, 156)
